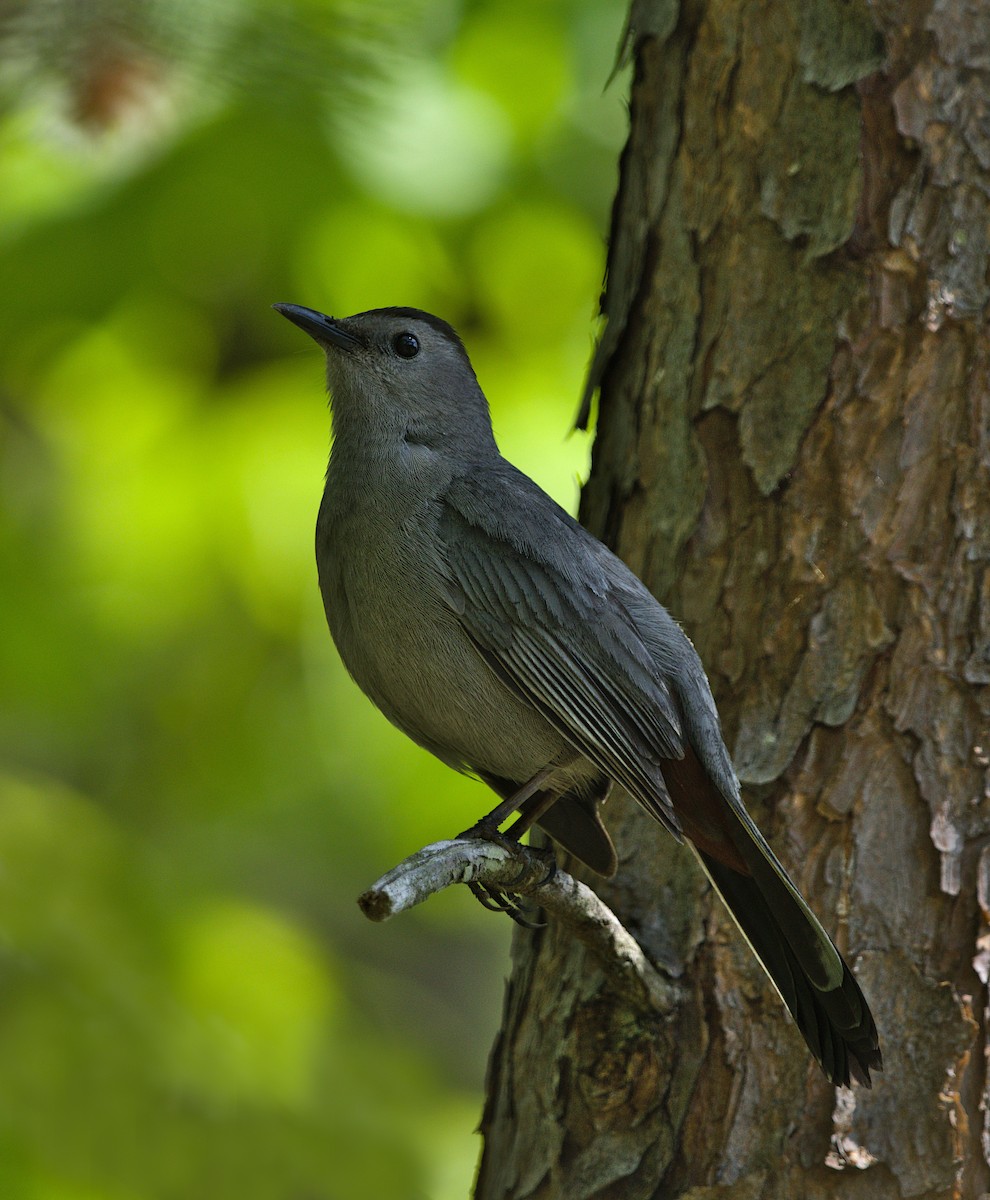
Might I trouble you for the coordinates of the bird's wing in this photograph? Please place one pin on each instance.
(567, 626)
(548, 620)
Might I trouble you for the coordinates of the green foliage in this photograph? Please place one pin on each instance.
(193, 793)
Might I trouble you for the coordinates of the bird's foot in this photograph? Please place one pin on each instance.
(532, 873)
(488, 831)
(499, 901)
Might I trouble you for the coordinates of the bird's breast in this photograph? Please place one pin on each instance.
(386, 598)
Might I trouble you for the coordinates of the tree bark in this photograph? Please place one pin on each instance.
(793, 452)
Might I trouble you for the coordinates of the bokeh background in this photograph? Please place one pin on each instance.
(192, 793)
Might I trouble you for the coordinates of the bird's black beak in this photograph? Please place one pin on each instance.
(318, 325)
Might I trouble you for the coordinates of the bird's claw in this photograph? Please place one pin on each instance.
(498, 899)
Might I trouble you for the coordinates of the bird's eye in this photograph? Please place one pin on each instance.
(405, 345)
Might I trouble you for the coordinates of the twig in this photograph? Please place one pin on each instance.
(473, 860)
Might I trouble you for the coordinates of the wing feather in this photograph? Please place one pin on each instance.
(574, 654)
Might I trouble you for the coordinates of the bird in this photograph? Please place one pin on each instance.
(499, 634)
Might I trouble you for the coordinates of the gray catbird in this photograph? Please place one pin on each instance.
(497, 633)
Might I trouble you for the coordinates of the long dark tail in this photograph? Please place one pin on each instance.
(804, 966)
(811, 976)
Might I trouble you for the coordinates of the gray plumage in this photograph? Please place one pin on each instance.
(497, 633)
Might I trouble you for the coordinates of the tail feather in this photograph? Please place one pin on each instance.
(831, 1013)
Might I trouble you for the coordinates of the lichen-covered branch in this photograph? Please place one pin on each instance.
(519, 871)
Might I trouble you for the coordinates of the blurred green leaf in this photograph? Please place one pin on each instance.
(519, 55)
(549, 249)
(437, 145)
(257, 997)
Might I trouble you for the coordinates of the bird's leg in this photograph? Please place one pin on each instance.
(529, 813)
(531, 803)
(488, 826)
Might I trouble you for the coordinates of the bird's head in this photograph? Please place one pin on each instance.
(399, 368)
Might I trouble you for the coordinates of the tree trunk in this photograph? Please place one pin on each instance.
(793, 451)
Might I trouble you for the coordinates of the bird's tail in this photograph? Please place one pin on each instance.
(807, 970)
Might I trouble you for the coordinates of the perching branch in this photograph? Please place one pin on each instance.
(520, 871)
